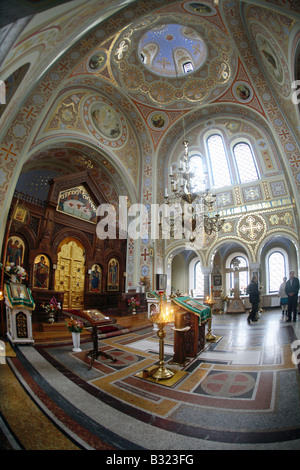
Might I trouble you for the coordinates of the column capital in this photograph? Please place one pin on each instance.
(254, 266)
(206, 270)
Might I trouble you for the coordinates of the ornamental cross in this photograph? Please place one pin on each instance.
(164, 62)
(252, 227)
(145, 254)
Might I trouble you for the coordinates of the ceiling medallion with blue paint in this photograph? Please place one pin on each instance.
(172, 50)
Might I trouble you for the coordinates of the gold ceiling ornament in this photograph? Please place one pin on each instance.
(131, 49)
(89, 165)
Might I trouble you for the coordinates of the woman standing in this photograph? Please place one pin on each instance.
(283, 297)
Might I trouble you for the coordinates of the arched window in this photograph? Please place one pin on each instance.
(187, 67)
(198, 279)
(276, 270)
(245, 163)
(218, 161)
(196, 168)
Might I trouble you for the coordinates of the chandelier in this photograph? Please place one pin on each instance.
(195, 209)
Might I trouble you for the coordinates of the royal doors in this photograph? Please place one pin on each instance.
(70, 272)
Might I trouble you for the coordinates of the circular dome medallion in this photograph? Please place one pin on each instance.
(104, 121)
(172, 50)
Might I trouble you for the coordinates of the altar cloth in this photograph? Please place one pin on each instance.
(202, 311)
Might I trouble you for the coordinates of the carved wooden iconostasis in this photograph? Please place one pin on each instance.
(60, 250)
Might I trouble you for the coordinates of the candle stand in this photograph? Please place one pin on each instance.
(210, 302)
(161, 319)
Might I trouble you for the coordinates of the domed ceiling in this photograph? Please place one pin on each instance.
(172, 50)
(174, 61)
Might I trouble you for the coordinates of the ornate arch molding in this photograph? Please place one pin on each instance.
(203, 118)
(238, 244)
(74, 94)
(116, 174)
(124, 154)
(67, 232)
(289, 8)
(281, 116)
(177, 247)
(210, 112)
(284, 236)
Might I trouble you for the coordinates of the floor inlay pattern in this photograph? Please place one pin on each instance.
(241, 392)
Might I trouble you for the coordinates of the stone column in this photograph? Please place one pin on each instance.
(207, 280)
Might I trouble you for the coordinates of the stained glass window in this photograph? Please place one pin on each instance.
(245, 163)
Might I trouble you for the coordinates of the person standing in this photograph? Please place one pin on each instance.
(283, 297)
(292, 289)
(253, 292)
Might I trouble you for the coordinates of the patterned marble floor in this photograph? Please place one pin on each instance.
(241, 392)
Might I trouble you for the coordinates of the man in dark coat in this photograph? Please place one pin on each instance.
(253, 292)
(292, 289)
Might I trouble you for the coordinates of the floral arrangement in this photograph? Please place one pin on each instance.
(12, 269)
(225, 298)
(133, 302)
(144, 282)
(74, 326)
(51, 306)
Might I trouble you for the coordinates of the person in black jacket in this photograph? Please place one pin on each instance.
(292, 289)
(253, 292)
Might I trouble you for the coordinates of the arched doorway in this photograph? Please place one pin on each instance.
(70, 272)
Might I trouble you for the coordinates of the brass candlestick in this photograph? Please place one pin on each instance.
(161, 319)
(210, 302)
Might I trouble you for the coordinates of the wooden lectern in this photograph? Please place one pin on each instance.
(189, 328)
(96, 318)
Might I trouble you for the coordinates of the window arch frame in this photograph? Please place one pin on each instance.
(233, 145)
(201, 149)
(197, 154)
(267, 268)
(192, 275)
(206, 137)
